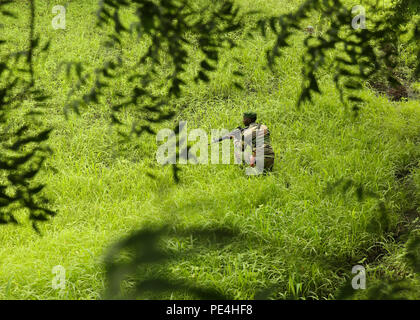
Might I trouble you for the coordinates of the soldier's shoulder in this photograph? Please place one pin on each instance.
(260, 126)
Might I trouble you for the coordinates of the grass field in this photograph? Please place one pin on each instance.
(293, 234)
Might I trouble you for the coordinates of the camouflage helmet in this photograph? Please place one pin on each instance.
(250, 115)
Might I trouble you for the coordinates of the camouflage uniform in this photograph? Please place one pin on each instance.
(249, 137)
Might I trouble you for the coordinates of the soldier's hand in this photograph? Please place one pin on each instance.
(252, 161)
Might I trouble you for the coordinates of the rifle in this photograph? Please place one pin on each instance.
(229, 135)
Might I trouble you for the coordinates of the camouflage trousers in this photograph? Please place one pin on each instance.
(268, 161)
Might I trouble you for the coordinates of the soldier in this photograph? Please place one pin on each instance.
(260, 146)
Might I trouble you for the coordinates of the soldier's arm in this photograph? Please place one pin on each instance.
(239, 140)
(239, 143)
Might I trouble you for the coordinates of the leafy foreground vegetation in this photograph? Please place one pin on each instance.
(293, 234)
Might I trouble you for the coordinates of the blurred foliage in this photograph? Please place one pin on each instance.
(359, 55)
(144, 259)
(381, 225)
(22, 145)
(163, 25)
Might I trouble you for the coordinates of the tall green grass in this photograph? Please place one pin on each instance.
(295, 235)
